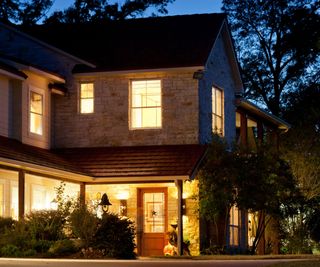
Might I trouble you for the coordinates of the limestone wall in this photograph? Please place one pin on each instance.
(109, 124)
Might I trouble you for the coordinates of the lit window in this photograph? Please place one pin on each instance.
(217, 111)
(86, 98)
(36, 113)
(234, 226)
(146, 104)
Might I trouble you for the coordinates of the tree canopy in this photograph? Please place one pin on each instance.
(278, 45)
(29, 12)
(257, 182)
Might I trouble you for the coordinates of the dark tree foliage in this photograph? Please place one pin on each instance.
(26, 12)
(258, 182)
(301, 146)
(278, 43)
(102, 10)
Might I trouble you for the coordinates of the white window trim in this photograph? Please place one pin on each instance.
(213, 114)
(79, 98)
(40, 92)
(130, 105)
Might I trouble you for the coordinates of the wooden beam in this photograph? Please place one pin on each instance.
(21, 193)
(82, 194)
(179, 186)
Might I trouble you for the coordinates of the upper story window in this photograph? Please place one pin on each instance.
(217, 111)
(36, 113)
(145, 104)
(86, 98)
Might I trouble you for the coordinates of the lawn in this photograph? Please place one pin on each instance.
(307, 263)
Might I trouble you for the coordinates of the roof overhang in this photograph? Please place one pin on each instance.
(52, 48)
(247, 105)
(45, 171)
(137, 71)
(12, 75)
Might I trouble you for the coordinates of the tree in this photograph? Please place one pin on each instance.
(258, 182)
(101, 10)
(27, 12)
(301, 147)
(278, 43)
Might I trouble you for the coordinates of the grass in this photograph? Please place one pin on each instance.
(308, 263)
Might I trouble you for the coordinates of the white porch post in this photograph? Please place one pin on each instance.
(179, 186)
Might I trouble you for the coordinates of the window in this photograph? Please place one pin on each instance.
(146, 104)
(217, 111)
(234, 226)
(36, 113)
(86, 98)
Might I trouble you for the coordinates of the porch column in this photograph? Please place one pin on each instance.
(243, 129)
(179, 186)
(21, 193)
(82, 194)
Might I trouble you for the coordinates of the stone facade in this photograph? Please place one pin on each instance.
(109, 124)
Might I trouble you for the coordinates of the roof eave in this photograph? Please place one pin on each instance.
(281, 124)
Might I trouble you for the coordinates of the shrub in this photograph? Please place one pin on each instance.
(6, 223)
(62, 248)
(45, 224)
(83, 224)
(41, 246)
(10, 250)
(115, 236)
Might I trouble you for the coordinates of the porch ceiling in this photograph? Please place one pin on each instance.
(136, 161)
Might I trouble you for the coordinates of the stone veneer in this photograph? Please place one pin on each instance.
(109, 124)
(129, 191)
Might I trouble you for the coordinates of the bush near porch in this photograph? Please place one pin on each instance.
(70, 231)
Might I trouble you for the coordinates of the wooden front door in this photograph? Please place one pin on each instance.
(152, 228)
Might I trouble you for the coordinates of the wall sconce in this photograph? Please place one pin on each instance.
(184, 206)
(105, 203)
(123, 207)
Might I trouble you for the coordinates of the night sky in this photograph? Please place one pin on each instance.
(177, 8)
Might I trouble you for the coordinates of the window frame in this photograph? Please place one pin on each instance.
(214, 114)
(82, 98)
(131, 127)
(34, 90)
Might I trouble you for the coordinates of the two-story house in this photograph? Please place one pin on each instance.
(123, 108)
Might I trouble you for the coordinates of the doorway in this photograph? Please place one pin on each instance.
(152, 221)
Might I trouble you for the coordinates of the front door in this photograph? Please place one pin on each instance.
(152, 208)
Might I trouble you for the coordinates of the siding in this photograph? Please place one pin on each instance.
(4, 106)
(219, 73)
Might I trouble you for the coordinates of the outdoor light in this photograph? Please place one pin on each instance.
(123, 207)
(105, 203)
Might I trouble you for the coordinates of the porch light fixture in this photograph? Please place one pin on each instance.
(198, 75)
(184, 206)
(105, 203)
(123, 207)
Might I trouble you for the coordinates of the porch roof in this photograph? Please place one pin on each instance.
(109, 162)
(14, 150)
(136, 161)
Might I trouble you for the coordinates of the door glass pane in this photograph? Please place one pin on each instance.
(154, 213)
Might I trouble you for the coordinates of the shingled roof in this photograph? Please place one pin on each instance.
(110, 162)
(14, 150)
(137, 161)
(148, 43)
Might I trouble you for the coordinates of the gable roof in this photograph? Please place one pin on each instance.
(148, 43)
